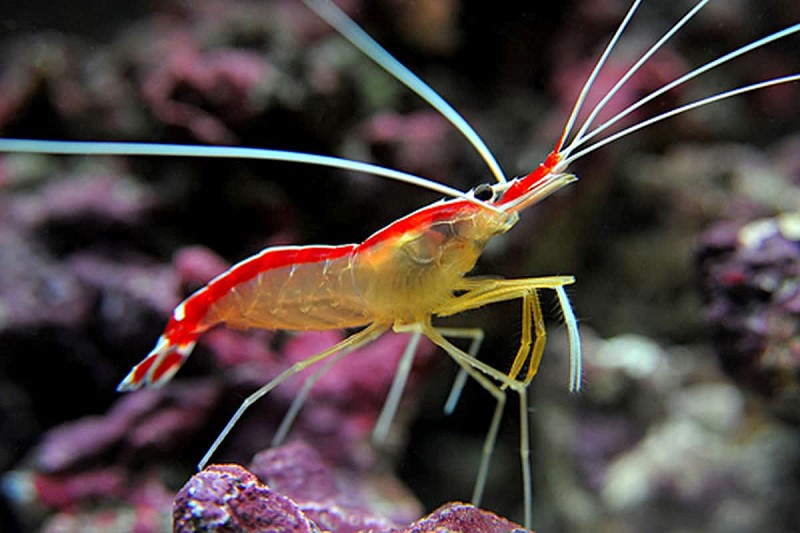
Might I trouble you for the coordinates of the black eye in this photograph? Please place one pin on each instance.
(483, 192)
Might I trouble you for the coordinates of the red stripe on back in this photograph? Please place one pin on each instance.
(197, 305)
(420, 219)
(270, 259)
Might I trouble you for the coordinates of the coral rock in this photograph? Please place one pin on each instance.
(463, 517)
(229, 498)
(749, 277)
(292, 489)
(331, 500)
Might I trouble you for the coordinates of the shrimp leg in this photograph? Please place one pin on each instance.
(477, 335)
(532, 317)
(396, 390)
(300, 399)
(470, 365)
(392, 402)
(484, 292)
(388, 411)
(384, 421)
(404, 366)
(348, 345)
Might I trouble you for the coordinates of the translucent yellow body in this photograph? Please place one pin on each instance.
(407, 275)
(402, 275)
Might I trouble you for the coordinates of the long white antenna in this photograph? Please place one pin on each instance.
(334, 16)
(581, 139)
(631, 71)
(682, 109)
(186, 150)
(596, 71)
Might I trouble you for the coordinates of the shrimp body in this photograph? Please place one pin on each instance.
(401, 275)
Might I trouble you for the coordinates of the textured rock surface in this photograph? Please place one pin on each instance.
(229, 498)
(751, 280)
(290, 489)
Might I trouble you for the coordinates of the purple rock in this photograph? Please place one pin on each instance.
(77, 443)
(229, 498)
(161, 419)
(292, 489)
(332, 500)
(417, 141)
(296, 470)
(94, 198)
(750, 286)
(35, 291)
(70, 490)
(457, 516)
(197, 265)
(223, 80)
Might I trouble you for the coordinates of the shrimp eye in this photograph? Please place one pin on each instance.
(483, 192)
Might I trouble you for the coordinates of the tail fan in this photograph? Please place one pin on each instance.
(158, 367)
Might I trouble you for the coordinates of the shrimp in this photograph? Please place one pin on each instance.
(415, 270)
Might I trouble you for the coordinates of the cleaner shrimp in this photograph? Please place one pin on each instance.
(415, 269)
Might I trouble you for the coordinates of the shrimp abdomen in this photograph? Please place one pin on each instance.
(292, 288)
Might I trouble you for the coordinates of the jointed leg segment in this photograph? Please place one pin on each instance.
(348, 345)
(388, 411)
(476, 370)
(541, 336)
(476, 334)
(300, 399)
(396, 390)
(466, 361)
(481, 292)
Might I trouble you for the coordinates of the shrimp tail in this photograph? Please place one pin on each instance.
(171, 351)
(189, 320)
